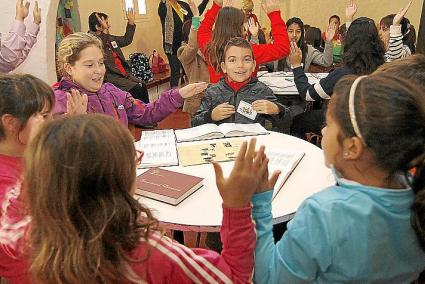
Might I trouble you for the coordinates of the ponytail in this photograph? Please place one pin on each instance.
(418, 206)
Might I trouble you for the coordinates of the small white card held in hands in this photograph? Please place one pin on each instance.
(246, 110)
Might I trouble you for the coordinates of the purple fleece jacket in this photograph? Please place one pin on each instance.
(120, 104)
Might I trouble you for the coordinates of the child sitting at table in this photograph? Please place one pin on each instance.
(239, 97)
(86, 226)
(369, 227)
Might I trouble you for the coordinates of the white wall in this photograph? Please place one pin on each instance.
(41, 60)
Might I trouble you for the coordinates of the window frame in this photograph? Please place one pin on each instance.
(139, 17)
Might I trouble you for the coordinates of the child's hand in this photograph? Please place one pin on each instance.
(296, 56)
(253, 27)
(222, 111)
(267, 183)
(400, 15)
(330, 32)
(76, 102)
(193, 8)
(37, 14)
(229, 3)
(102, 23)
(131, 16)
(270, 6)
(265, 107)
(219, 2)
(192, 89)
(245, 177)
(22, 10)
(350, 11)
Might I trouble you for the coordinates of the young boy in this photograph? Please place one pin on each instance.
(238, 97)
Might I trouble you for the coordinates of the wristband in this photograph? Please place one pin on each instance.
(196, 23)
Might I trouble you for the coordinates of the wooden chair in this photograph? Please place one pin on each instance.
(314, 138)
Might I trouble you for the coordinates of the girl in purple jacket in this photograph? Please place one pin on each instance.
(81, 89)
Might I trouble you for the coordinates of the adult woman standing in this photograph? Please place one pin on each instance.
(173, 14)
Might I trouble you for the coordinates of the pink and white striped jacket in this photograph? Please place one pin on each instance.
(168, 261)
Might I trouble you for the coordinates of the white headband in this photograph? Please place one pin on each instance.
(352, 111)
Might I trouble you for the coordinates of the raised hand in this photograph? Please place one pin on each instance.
(350, 10)
(76, 102)
(295, 56)
(102, 23)
(267, 183)
(229, 3)
(193, 8)
(270, 6)
(222, 111)
(265, 107)
(192, 89)
(131, 16)
(253, 27)
(401, 13)
(219, 2)
(37, 14)
(22, 10)
(245, 177)
(330, 32)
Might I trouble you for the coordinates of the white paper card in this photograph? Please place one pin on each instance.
(246, 110)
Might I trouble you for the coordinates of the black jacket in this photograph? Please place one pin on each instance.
(113, 74)
(221, 92)
(177, 37)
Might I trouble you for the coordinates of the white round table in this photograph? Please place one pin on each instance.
(202, 211)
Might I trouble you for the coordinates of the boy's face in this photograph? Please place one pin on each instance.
(238, 64)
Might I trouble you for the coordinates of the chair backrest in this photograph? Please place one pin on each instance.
(314, 138)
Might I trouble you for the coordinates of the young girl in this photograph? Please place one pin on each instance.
(230, 24)
(363, 54)
(369, 227)
(336, 40)
(86, 227)
(25, 103)
(309, 53)
(192, 59)
(15, 48)
(393, 30)
(80, 60)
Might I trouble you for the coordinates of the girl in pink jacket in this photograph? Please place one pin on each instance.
(86, 227)
(81, 90)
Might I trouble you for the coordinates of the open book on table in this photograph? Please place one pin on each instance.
(159, 148)
(213, 131)
(285, 162)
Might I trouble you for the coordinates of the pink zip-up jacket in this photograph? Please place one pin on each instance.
(168, 261)
(119, 104)
(15, 48)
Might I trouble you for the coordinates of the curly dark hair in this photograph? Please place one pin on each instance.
(363, 49)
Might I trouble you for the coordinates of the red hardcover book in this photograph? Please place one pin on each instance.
(167, 186)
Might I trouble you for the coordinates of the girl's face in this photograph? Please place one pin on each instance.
(330, 142)
(88, 71)
(32, 127)
(294, 32)
(384, 34)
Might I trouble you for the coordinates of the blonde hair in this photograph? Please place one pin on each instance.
(247, 5)
(71, 46)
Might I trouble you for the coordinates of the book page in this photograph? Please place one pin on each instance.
(284, 161)
(242, 129)
(159, 147)
(205, 131)
(204, 153)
